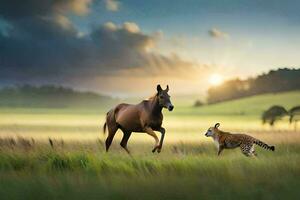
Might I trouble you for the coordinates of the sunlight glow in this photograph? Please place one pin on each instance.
(215, 79)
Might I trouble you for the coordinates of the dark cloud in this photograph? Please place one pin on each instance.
(40, 40)
(42, 44)
(15, 9)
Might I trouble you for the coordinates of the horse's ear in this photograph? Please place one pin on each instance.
(167, 90)
(217, 125)
(159, 88)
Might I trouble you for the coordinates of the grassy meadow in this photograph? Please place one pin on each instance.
(76, 167)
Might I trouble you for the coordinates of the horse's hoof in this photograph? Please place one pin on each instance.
(153, 151)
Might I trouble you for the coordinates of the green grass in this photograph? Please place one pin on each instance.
(238, 115)
(192, 171)
(187, 167)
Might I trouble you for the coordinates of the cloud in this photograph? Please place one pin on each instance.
(216, 33)
(110, 26)
(14, 9)
(63, 21)
(112, 5)
(131, 27)
(79, 7)
(42, 45)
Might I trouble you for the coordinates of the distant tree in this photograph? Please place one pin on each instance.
(294, 114)
(198, 103)
(231, 89)
(275, 81)
(273, 114)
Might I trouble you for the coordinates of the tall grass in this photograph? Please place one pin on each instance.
(191, 171)
(76, 166)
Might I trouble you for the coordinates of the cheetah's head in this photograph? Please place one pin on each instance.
(212, 130)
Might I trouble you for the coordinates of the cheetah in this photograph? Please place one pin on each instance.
(226, 140)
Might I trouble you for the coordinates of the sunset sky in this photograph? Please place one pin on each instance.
(124, 48)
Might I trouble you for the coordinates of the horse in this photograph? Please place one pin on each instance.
(145, 117)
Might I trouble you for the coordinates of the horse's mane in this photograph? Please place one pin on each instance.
(152, 97)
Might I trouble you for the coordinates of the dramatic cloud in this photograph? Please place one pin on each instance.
(215, 33)
(43, 45)
(112, 5)
(14, 9)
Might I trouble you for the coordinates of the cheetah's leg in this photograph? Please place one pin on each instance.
(253, 151)
(246, 149)
(220, 149)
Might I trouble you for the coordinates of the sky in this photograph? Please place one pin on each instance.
(125, 48)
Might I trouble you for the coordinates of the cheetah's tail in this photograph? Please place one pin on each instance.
(264, 145)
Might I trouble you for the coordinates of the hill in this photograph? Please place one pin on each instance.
(50, 96)
(275, 81)
(253, 105)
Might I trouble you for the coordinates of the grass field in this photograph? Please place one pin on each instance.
(187, 168)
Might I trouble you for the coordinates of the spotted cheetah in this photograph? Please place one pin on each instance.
(226, 140)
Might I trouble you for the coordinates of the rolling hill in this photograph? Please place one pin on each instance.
(253, 105)
(50, 96)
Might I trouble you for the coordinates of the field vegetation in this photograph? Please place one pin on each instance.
(75, 166)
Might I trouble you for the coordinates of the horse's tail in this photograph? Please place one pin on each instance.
(109, 119)
(105, 123)
(104, 128)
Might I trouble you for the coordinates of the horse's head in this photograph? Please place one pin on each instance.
(164, 98)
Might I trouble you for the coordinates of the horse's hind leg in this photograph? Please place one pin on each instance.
(125, 140)
(111, 133)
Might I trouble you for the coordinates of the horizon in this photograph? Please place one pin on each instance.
(152, 89)
(125, 48)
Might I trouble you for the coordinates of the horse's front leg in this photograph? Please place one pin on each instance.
(149, 131)
(162, 131)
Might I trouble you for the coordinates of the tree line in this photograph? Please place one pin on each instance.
(280, 80)
(49, 96)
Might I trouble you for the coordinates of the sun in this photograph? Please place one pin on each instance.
(215, 79)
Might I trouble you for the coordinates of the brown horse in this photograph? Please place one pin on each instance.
(145, 117)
